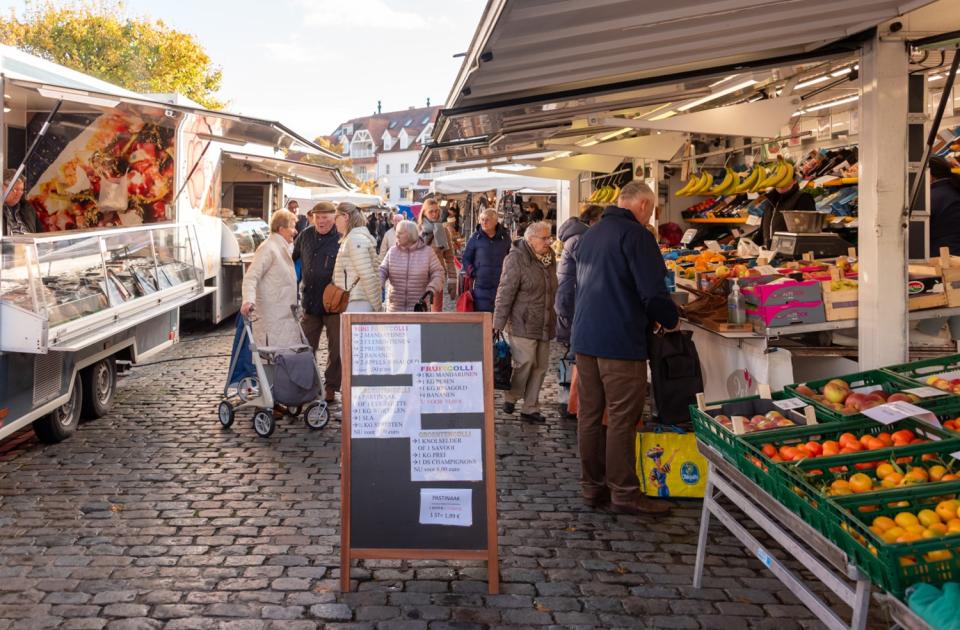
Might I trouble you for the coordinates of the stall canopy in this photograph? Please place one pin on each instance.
(302, 173)
(336, 195)
(38, 90)
(544, 73)
(484, 180)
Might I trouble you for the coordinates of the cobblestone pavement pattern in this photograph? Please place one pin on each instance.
(155, 517)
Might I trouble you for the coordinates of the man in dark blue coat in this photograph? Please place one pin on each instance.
(621, 293)
(483, 259)
(316, 248)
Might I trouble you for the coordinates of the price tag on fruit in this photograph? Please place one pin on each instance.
(790, 403)
(713, 246)
(688, 236)
(955, 455)
(869, 389)
(925, 392)
(753, 219)
(766, 270)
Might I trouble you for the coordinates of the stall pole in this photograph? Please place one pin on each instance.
(883, 337)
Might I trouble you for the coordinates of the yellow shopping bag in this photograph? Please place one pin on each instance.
(669, 464)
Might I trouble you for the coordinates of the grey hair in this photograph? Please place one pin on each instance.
(410, 229)
(539, 226)
(490, 211)
(637, 188)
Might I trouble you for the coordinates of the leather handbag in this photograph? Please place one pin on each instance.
(335, 299)
(425, 304)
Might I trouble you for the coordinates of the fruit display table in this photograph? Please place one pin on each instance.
(827, 562)
(734, 362)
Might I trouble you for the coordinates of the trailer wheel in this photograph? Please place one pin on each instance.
(62, 422)
(99, 388)
(263, 423)
(225, 414)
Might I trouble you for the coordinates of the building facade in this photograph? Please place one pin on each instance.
(385, 146)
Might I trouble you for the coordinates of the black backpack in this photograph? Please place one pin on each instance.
(675, 375)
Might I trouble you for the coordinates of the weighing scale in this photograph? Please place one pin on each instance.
(822, 244)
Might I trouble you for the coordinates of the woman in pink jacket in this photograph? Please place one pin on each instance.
(410, 270)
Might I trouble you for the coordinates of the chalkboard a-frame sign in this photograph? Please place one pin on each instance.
(418, 461)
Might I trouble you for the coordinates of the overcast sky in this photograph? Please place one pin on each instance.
(312, 64)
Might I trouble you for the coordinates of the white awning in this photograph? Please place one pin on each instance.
(357, 198)
(302, 173)
(484, 180)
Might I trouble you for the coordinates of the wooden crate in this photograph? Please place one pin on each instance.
(841, 304)
(927, 300)
(950, 268)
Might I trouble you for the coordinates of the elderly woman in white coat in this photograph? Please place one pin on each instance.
(357, 267)
(270, 285)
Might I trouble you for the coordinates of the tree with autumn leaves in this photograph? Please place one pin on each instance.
(98, 38)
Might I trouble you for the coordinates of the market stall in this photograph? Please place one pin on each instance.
(781, 212)
(125, 203)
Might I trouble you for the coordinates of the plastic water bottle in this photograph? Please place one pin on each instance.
(736, 307)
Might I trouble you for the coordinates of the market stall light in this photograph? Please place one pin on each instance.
(663, 116)
(826, 105)
(715, 95)
(723, 80)
(841, 72)
(814, 81)
(934, 77)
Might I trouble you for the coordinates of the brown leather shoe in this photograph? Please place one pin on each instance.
(330, 396)
(599, 502)
(643, 505)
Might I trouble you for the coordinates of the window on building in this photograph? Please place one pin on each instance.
(404, 168)
(386, 169)
(360, 172)
(362, 145)
(404, 192)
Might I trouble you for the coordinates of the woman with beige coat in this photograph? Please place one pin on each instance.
(357, 268)
(270, 286)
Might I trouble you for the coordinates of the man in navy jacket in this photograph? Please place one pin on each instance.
(621, 293)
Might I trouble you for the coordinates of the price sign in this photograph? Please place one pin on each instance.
(790, 403)
(767, 270)
(895, 411)
(688, 236)
(925, 392)
(713, 246)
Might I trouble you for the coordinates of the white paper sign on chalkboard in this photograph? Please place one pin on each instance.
(384, 412)
(446, 506)
(446, 455)
(386, 349)
(451, 387)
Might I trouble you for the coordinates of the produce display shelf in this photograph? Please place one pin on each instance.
(919, 371)
(722, 221)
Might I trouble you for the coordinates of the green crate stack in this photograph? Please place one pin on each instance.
(789, 487)
(890, 382)
(895, 567)
(920, 371)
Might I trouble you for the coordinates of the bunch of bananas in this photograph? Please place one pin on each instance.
(606, 194)
(779, 176)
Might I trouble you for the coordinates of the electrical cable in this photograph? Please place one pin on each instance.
(199, 356)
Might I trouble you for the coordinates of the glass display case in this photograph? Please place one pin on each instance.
(73, 278)
(245, 236)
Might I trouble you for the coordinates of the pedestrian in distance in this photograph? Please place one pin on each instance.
(303, 222)
(569, 239)
(356, 270)
(270, 285)
(18, 217)
(410, 271)
(524, 310)
(316, 248)
(621, 294)
(390, 238)
(435, 234)
(534, 212)
(483, 259)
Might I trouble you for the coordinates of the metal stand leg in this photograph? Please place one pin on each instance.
(704, 529)
(861, 605)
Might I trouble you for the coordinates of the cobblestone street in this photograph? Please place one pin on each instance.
(156, 517)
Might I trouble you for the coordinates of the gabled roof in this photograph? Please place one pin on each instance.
(412, 120)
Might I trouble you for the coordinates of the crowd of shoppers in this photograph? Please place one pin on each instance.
(600, 289)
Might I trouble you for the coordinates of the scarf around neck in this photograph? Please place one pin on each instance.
(434, 233)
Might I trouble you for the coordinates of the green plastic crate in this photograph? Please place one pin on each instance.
(722, 439)
(890, 382)
(789, 487)
(920, 371)
(882, 561)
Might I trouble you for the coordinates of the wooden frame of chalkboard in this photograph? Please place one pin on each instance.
(376, 501)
